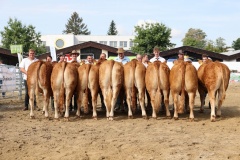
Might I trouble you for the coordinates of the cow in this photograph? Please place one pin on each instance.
(157, 84)
(38, 80)
(88, 81)
(184, 82)
(134, 81)
(63, 82)
(110, 81)
(213, 79)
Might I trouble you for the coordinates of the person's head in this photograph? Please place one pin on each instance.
(139, 57)
(74, 54)
(156, 51)
(145, 58)
(204, 57)
(120, 52)
(103, 56)
(90, 59)
(49, 58)
(61, 57)
(181, 55)
(31, 54)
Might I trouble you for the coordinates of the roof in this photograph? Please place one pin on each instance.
(215, 55)
(90, 44)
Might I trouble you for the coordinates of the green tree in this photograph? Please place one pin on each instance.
(76, 26)
(195, 38)
(149, 35)
(220, 44)
(17, 33)
(236, 44)
(112, 29)
(210, 46)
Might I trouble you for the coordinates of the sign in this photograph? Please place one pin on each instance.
(16, 48)
(53, 53)
(8, 77)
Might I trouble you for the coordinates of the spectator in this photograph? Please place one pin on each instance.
(180, 55)
(23, 68)
(103, 56)
(205, 58)
(121, 58)
(61, 57)
(139, 57)
(74, 54)
(49, 59)
(157, 57)
(89, 60)
(145, 60)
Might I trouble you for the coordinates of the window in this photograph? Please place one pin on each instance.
(131, 43)
(103, 42)
(113, 43)
(59, 43)
(123, 43)
(84, 55)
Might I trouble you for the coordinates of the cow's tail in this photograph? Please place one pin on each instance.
(133, 96)
(182, 99)
(37, 88)
(109, 91)
(86, 92)
(223, 86)
(62, 90)
(158, 97)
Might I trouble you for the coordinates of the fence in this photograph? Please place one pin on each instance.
(11, 82)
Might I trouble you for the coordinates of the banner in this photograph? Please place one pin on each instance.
(8, 77)
(16, 48)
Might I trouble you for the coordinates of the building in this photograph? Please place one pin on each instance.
(67, 40)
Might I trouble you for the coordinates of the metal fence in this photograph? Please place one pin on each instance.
(11, 82)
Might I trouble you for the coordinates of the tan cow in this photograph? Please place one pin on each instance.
(157, 83)
(213, 78)
(183, 80)
(88, 81)
(134, 81)
(111, 81)
(63, 82)
(38, 80)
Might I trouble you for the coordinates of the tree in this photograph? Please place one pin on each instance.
(149, 35)
(236, 44)
(220, 44)
(76, 26)
(112, 29)
(16, 33)
(195, 38)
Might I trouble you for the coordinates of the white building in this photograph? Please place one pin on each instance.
(67, 40)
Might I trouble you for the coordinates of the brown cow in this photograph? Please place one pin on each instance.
(213, 78)
(111, 81)
(157, 83)
(63, 82)
(183, 80)
(88, 81)
(134, 81)
(38, 80)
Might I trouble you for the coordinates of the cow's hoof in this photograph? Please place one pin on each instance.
(56, 119)
(32, 117)
(154, 117)
(110, 118)
(43, 112)
(201, 111)
(66, 119)
(130, 117)
(175, 118)
(191, 119)
(213, 119)
(168, 117)
(218, 116)
(144, 117)
(94, 117)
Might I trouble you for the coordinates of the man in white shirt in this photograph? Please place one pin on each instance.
(89, 60)
(157, 57)
(121, 58)
(23, 68)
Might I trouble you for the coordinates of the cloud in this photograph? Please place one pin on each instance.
(175, 33)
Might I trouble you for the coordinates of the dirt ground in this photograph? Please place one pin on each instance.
(123, 138)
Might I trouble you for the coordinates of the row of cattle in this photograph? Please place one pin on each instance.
(183, 80)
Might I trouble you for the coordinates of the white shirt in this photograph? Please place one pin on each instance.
(25, 64)
(161, 59)
(145, 64)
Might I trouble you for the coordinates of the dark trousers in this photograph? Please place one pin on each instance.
(3, 93)
(26, 94)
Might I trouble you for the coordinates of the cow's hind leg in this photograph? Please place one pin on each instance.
(212, 100)
(191, 105)
(128, 98)
(94, 94)
(141, 94)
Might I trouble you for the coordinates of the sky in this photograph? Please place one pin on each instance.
(217, 18)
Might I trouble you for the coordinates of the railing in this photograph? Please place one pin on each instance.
(11, 82)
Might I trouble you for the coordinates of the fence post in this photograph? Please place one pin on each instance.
(20, 85)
